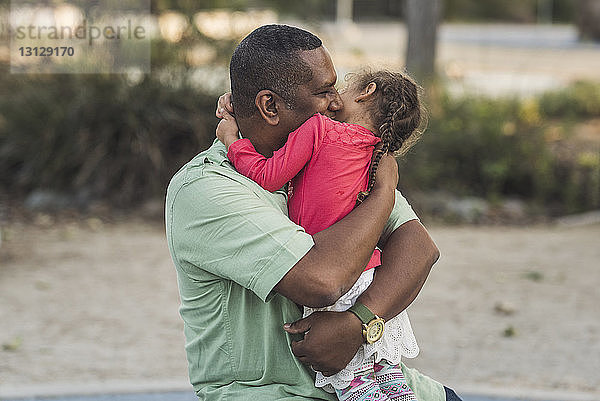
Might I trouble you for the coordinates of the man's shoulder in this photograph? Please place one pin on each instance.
(209, 178)
(186, 174)
(212, 160)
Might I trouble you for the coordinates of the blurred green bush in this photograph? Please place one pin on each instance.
(498, 148)
(101, 135)
(121, 141)
(580, 100)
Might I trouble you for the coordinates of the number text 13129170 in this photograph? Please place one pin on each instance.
(49, 51)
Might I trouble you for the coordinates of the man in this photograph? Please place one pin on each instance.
(243, 267)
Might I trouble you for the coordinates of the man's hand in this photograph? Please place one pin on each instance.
(227, 130)
(224, 103)
(387, 174)
(330, 341)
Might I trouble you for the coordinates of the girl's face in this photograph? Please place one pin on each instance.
(353, 111)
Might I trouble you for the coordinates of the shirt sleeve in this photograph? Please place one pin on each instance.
(274, 172)
(221, 226)
(401, 213)
(425, 388)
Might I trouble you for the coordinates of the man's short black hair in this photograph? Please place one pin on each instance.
(269, 58)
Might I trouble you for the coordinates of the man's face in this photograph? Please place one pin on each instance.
(317, 96)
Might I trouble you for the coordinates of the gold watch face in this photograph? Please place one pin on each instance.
(374, 330)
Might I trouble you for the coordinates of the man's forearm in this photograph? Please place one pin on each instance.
(339, 255)
(407, 259)
(332, 338)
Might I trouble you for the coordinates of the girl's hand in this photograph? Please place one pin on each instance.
(330, 340)
(387, 173)
(227, 130)
(224, 102)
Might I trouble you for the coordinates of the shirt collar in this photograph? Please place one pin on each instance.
(216, 154)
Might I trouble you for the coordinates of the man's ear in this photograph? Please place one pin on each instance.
(366, 93)
(266, 102)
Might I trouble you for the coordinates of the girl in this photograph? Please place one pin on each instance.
(328, 163)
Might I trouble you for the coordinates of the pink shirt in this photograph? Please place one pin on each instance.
(328, 164)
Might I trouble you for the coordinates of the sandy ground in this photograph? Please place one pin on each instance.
(509, 307)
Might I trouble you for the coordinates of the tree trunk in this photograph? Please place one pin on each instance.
(588, 19)
(422, 17)
(344, 11)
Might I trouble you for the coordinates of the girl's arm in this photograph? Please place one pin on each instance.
(274, 172)
(227, 130)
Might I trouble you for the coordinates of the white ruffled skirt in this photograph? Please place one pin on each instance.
(398, 339)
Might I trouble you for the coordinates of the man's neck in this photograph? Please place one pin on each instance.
(257, 133)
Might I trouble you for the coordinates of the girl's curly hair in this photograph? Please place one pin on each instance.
(396, 109)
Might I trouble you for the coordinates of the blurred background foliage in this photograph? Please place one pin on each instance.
(97, 137)
(119, 138)
(534, 149)
(454, 10)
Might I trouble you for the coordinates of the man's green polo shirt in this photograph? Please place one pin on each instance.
(232, 242)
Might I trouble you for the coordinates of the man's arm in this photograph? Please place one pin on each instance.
(342, 251)
(407, 259)
(334, 337)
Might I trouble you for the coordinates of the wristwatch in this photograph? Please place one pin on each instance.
(372, 325)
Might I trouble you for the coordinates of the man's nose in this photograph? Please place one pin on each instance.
(336, 103)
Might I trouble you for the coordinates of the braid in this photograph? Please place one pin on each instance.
(397, 112)
(385, 130)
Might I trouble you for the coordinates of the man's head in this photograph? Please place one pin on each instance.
(280, 76)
